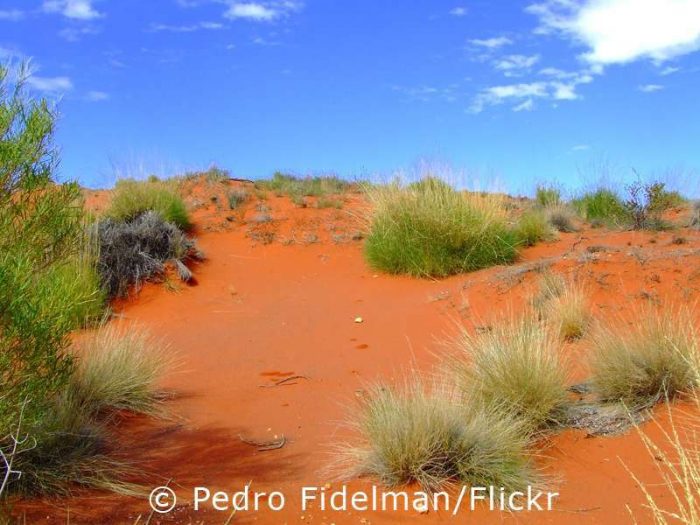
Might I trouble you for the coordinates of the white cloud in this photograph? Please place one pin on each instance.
(261, 11)
(650, 88)
(96, 96)
(581, 147)
(50, 84)
(516, 63)
(207, 26)
(13, 15)
(670, 70)
(528, 105)
(558, 89)
(74, 34)
(459, 11)
(621, 31)
(491, 43)
(75, 9)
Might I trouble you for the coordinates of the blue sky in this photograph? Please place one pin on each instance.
(520, 91)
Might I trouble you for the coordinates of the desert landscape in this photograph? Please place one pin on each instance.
(234, 341)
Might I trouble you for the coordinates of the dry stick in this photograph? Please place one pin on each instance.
(264, 446)
(236, 179)
(282, 382)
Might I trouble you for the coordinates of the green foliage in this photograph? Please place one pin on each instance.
(48, 287)
(40, 226)
(546, 196)
(132, 198)
(533, 227)
(429, 229)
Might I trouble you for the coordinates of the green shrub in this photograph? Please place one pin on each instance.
(533, 227)
(429, 438)
(515, 366)
(40, 226)
(47, 288)
(602, 205)
(132, 198)
(429, 229)
(654, 357)
(546, 196)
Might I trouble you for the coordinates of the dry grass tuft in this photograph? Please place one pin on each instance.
(119, 370)
(517, 367)
(430, 438)
(564, 305)
(654, 357)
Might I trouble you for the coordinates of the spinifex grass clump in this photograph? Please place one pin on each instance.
(561, 217)
(564, 305)
(118, 370)
(515, 366)
(430, 229)
(602, 205)
(654, 357)
(133, 198)
(533, 227)
(135, 251)
(547, 196)
(430, 438)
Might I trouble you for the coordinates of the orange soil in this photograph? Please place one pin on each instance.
(262, 312)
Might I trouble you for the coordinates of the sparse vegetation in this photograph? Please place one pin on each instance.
(515, 366)
(695, 215)
(652, 358)
(298, 187)
(236, 197)
(646, 203)
(135, 251)
(134, 198)
(430, 229)
(431, 438)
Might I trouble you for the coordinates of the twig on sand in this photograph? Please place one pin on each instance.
(285, 381)
(589, 509)
(264, 446)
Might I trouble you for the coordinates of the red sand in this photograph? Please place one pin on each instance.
(260, 313)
